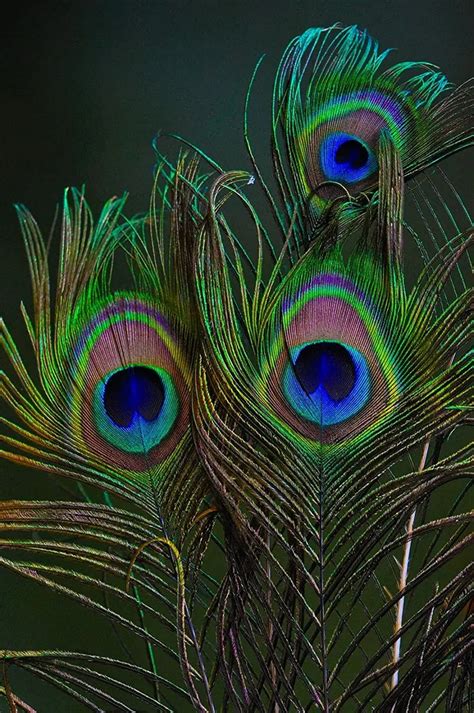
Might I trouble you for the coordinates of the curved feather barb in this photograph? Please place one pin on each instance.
(287, 440)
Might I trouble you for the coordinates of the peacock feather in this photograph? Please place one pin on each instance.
(110, 408)
(324, 410)
(334, 103)
(271, 455)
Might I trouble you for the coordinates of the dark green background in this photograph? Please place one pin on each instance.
(85, 87)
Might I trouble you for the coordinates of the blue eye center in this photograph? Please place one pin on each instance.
(352, 154)
(326, 364)
(345, 157)
(135, 390)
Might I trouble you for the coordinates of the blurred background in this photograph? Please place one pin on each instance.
(85, 88)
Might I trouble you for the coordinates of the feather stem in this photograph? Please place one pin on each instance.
(273, 671)
(8, 691)
(404, 574)
(23, 706)
(149, 647)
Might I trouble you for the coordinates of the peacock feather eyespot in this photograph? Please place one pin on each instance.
(135, 407)
(346, 158)
(326, 382)
(341, 142)
(130, 392)
(329, 374)
(130, 402)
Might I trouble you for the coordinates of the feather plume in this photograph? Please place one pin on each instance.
(334, 108)
(333, 101)
(115, 368)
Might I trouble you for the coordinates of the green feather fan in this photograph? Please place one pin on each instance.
(273, 464)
